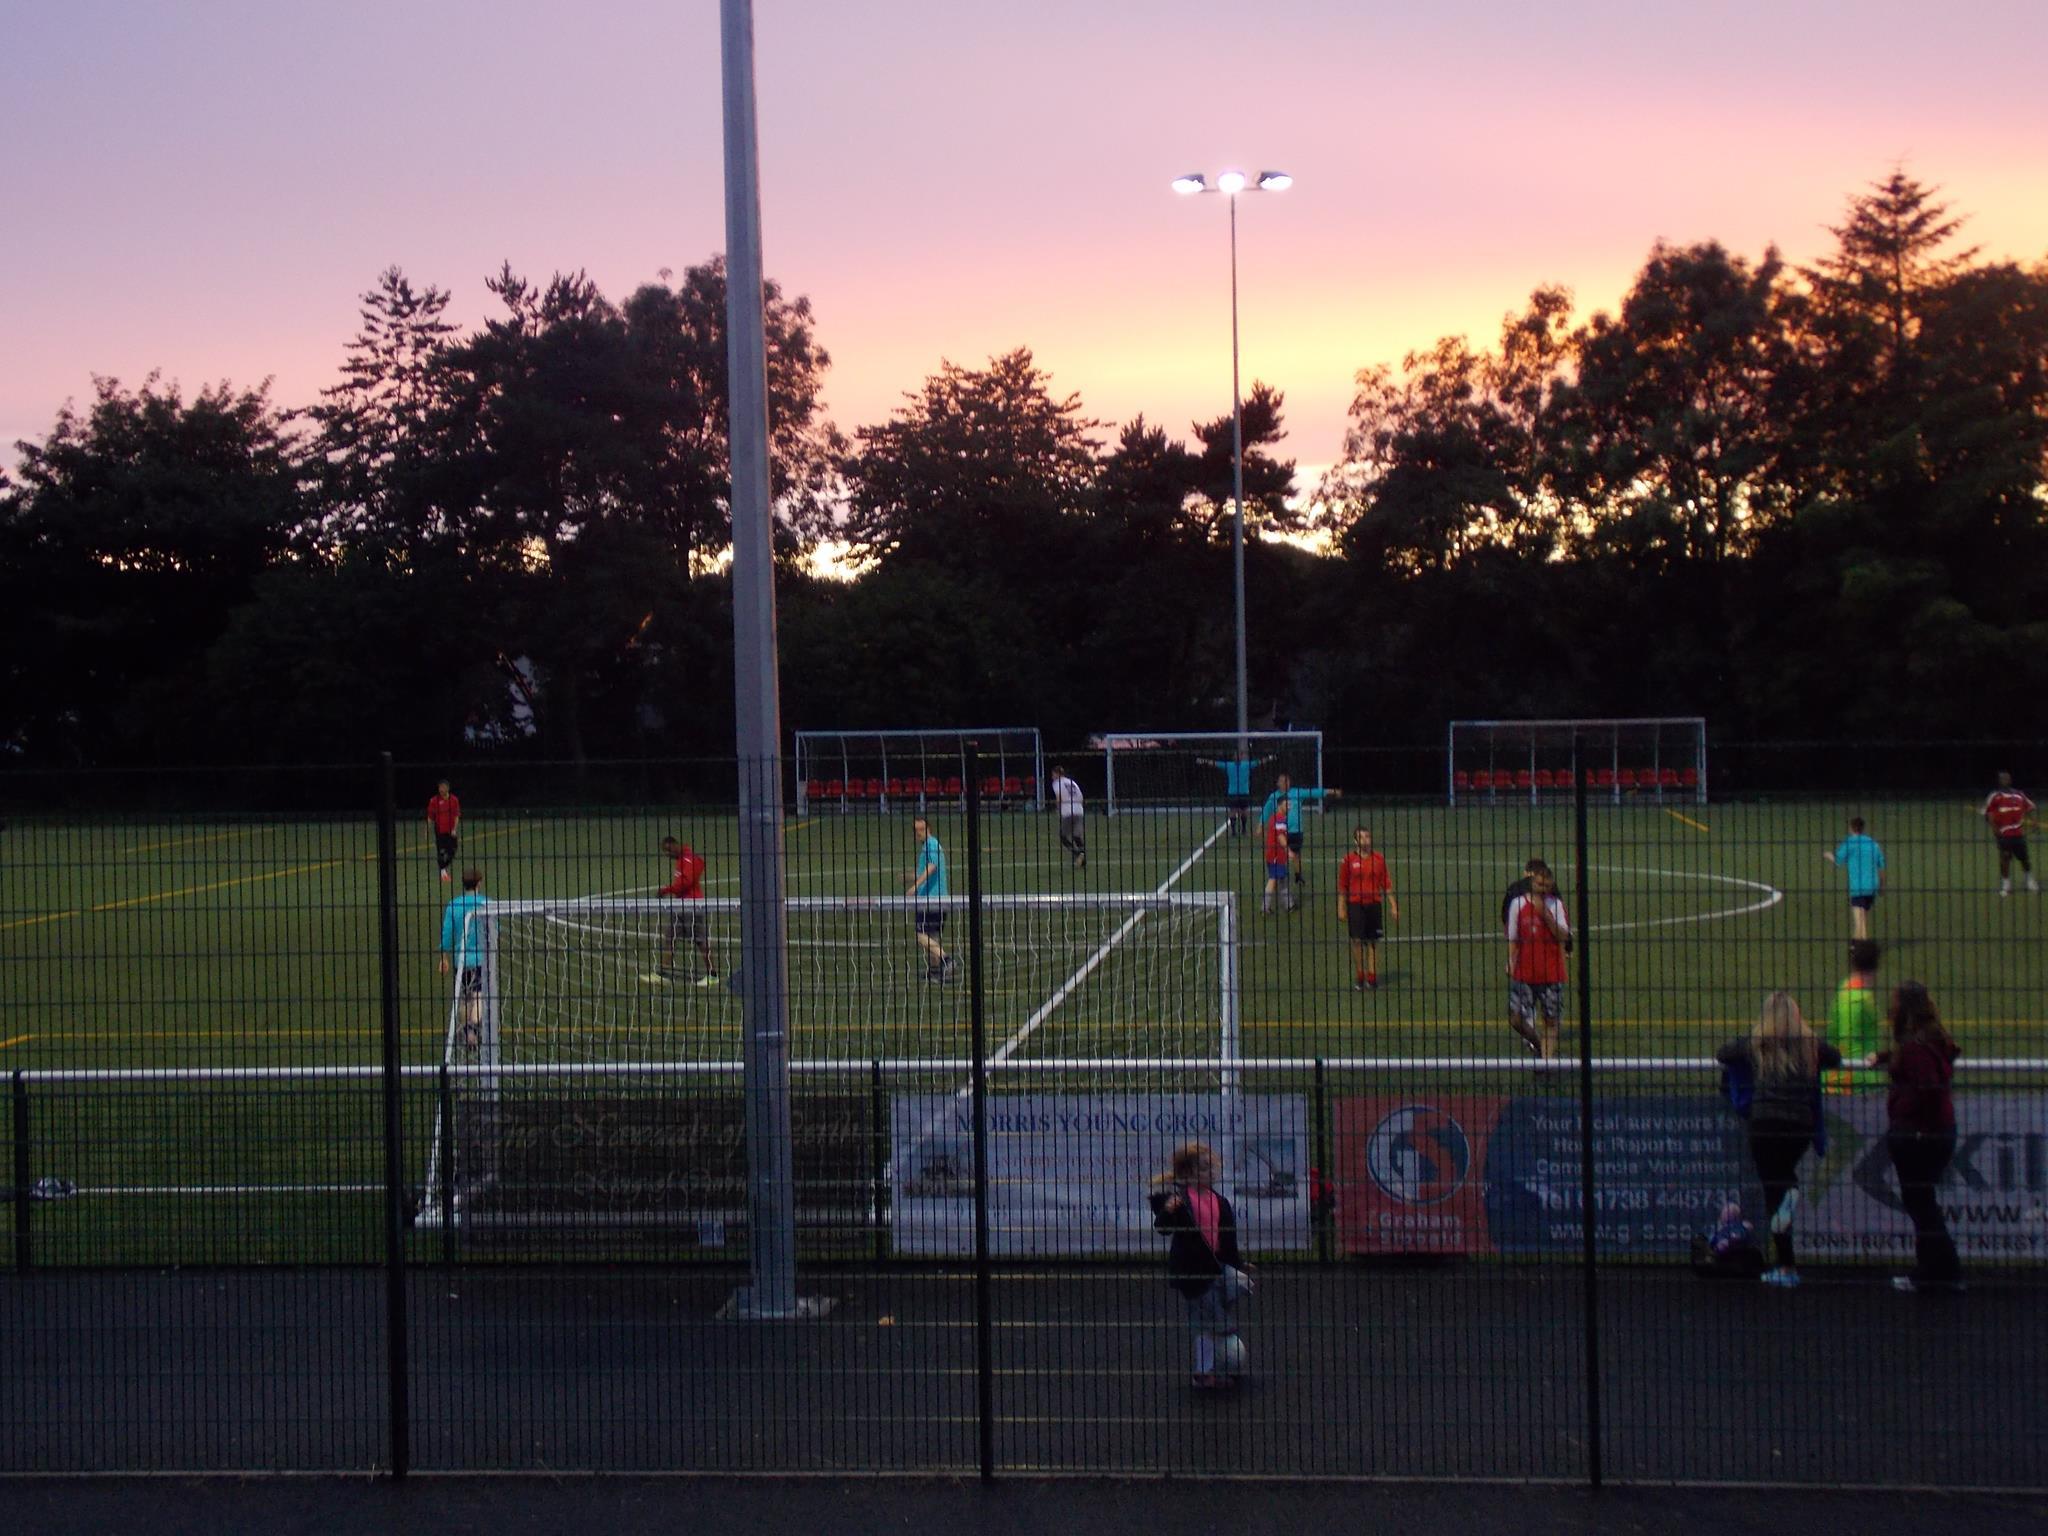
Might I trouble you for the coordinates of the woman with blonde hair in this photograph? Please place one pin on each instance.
(1782, 1060)
(1202, 1259)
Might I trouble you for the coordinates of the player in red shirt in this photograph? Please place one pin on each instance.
(1363, 888)
(1537, 932)
(2009, 812)
(1278, 873)
(688, 920)
(444, 815)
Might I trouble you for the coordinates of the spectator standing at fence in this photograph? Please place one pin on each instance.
(1782, 1061)
(1856, 1019)
(1202, 1260)
(1237, 787)
(687, 919)
(2009, 812)
(1860, 858)
(1276, 865)
(1365, 901)
(462, 950)
(1286, 798)
(444, 819)
(1921, 1132)
(1538, 933)
(1069, 803)
(927, 887)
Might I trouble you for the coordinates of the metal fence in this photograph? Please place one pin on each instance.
(283, 1195)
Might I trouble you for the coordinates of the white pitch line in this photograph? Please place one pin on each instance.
(1772, 896)
(1066, 988)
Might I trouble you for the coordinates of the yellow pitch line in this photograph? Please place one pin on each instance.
(1678, 816)
(481, 837)
(17, 1040)
(47, 917)
(180, 842)
(216, 885)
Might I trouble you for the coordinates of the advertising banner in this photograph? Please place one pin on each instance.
(1412, 1173)
(1069, 1173)
(1992, 1195)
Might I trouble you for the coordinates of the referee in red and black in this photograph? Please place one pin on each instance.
(444, 815)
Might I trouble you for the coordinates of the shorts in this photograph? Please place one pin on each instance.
(444, 848)
(471, 981)
(1240, 803)
(687, 923)
(1364, 919)
(1527, 998)
(1070, 829)
(2014, 846)
(930, 920)
(1276, 871)
(1865, 902)
(1294, 842)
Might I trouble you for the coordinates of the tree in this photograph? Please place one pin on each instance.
(1268, 482)
(137, 527)
(1664, 440)
(977, 468)
(375, 437)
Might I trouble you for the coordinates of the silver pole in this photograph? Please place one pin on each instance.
(763, 978)
(1237, 491)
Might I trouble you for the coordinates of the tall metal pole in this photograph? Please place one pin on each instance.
(1237, 497)
(763, 979)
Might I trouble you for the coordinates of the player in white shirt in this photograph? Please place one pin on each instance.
(1067, 802)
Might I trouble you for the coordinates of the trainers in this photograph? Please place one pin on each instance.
(444, 874)
(1358, 984)
(1372, 983)
(948, 968)
(1080, 861)
(1781, 1221)
(2033, 885)
(2004, 886)
(1530, 1043)
(1788, 1278)
(1907, 1283)
(710, 980)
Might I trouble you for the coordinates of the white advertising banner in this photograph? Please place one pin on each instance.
(1992, 1195)
(1069, 1173)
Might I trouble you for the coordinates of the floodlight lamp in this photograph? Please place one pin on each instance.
(1274, 181)
(1189, 183)
(1230, 181)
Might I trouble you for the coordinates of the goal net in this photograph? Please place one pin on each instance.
(909, 770)
(579, 1056)
(1143, 771)
(1496, 761)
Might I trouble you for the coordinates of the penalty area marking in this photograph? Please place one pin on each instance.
(1697, 826)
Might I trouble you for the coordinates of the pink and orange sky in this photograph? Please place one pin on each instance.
(206, 188)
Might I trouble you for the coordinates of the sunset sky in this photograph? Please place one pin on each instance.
(207, 188)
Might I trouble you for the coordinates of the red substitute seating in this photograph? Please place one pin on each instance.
(1690, 778)
(934, 787)
(1626, 778)
(1524, 779)
(1546, 779)
(1482, 780)
(1667, 778)
(1460, 779)
(1607, 779)
(954, 787)
(1013, 788)
(895, 789)
(834, 790)
(814, 789)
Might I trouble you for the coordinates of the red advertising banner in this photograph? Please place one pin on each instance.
(1411, 1172)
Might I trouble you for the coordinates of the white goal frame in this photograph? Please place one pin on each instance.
(912, 758)
(482, 1070)
(1553, 755)
(1217, 743)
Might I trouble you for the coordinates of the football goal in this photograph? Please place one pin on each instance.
(1495, 761)
(1154, 770)
(909, 770)
(589, 1016)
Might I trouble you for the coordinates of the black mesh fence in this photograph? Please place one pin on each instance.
(1560, 1131)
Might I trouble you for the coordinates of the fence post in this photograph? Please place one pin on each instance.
(1589, 1233)
(1321, 1122)
(24, 1200)
(984, 1322)
(394, 1127)
(878, 1156)
(444, 1092)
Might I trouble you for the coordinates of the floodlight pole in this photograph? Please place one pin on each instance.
(763, 976)
(1237, 501)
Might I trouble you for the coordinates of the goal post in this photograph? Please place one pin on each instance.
(1145, 770)
(1491, 762)
(909, 770)
(577, 1029)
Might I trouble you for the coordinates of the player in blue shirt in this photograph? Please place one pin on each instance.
(1237, 787)
(1862, 860)
(1284, 793)
(928, 879)
(462, 948)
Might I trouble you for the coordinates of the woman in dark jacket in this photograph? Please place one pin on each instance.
(1922, 1133)
(1202, 1260)
(1783, 1060)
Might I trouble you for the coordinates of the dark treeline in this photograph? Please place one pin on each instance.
(1801, 502)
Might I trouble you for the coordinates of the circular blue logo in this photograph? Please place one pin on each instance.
(1418, 1155)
